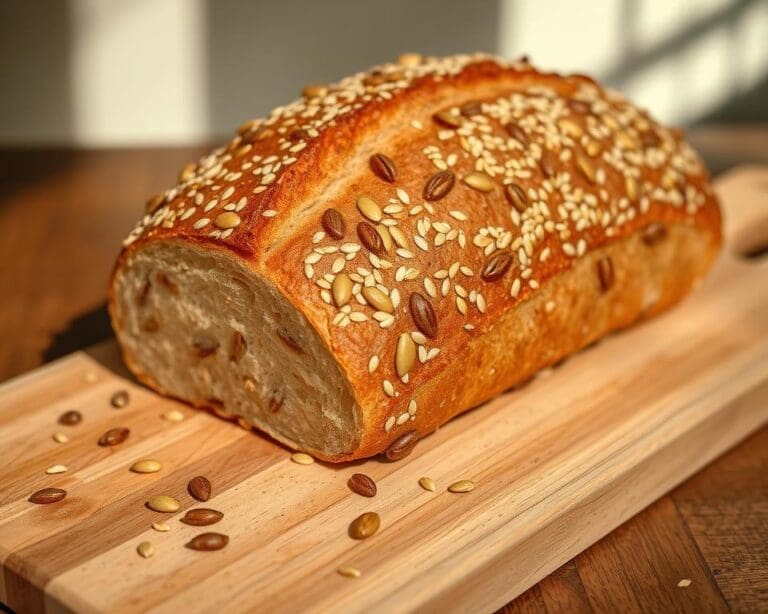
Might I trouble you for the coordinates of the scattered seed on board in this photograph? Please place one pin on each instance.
(199, 488)
(427, 484)
(146, 465)
(302, 459)
(120, 399)
(161, 527)
(349, 572)
(145, 549)
(59, 437)
(163, 503)
(201, 516)
(54, 469)
(462, 486)
(45, 496)
(362, 485)
(364, 526)
(70, 418)
(684, 583)
(173, 415)
(207, 542)
(114, 437)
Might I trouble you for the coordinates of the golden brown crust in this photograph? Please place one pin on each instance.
(591, 177)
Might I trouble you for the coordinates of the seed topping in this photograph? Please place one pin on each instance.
(405, 355)
(605, 273)
(422, 314)
(226, 220)
(333, 224)
(370, 238)
(496, 266)
(479, 181)
(383, 168)
(402, 446)
(378, 299)
(369, 208)
(516, 197)
(439, 185)
(653, 233)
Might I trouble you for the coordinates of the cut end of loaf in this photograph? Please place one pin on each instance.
(196, 325)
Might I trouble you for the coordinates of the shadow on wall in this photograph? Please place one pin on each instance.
(36, 70)
(260, 54)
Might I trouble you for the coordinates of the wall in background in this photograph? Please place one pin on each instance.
(110, 72)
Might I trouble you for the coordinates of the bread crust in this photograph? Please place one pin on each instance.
(629, 191)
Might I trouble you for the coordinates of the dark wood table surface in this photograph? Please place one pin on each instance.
(63, 213)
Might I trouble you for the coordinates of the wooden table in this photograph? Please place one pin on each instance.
(63, 214)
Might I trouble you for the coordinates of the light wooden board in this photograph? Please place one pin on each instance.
(558, 464)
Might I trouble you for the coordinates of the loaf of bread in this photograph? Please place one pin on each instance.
(391, 250)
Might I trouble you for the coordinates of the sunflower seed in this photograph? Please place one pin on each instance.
(605, 272)
(120, 399)
(163, 503)
(341, 289)
(161, 527)
(362, 485)
(228, 219)
(653, 233)
(365, 525)
(497, 264)
(333, 224)
(439, 185)
(517, 133)
(200, 488)
(516, 197)
(349, 572)
(547, 163)
(47, 495)
(462, 486)
(114, 436)
(369, 208)
(479, 181)
(146, 465)
(70, 418)
(207, 542)
(54, 469)
(201, 517)
(402, 446)
(447, 119)
(383, 168)
(300, 458)
(173, 415)
(60, 437)
(405, 354)
(427, 484)
(145, 549)
(370, 238)
(378, 299)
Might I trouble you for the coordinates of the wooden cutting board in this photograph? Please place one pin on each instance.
(558, 464)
